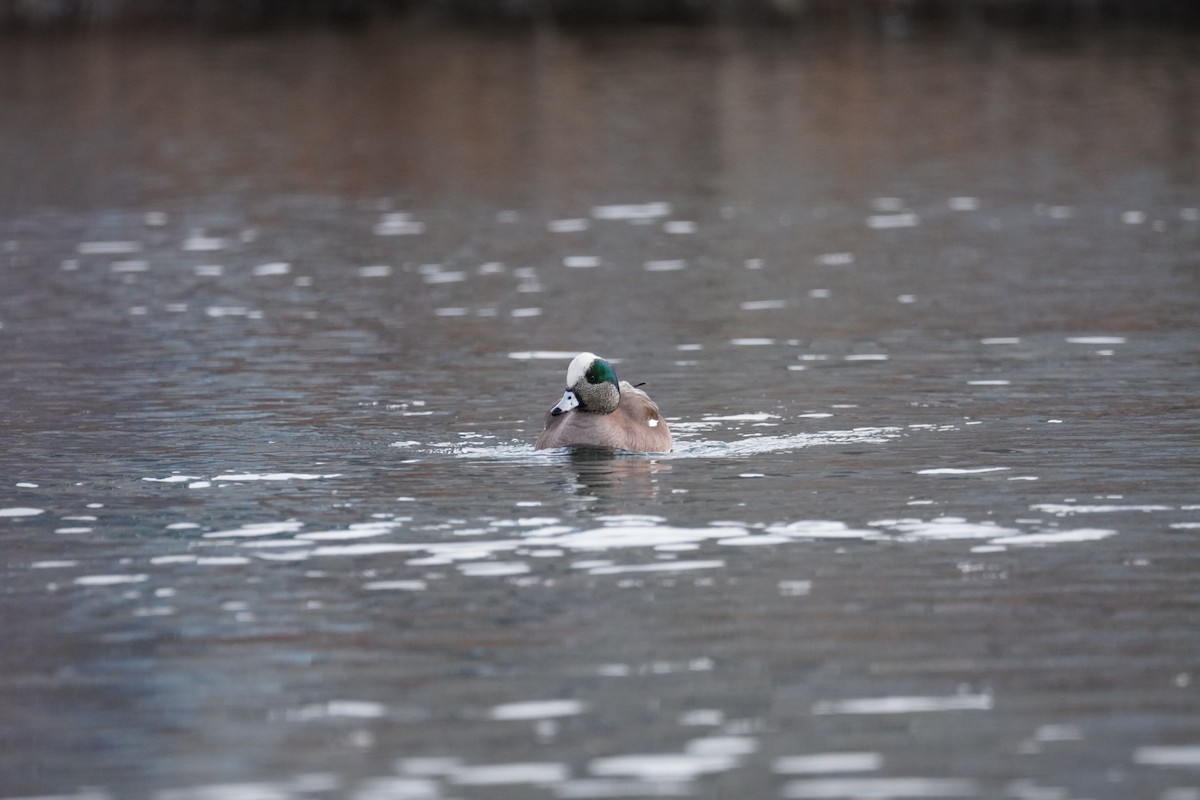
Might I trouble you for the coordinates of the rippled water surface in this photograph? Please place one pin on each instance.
(280, 317)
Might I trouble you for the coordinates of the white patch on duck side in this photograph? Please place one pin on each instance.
(653, 423)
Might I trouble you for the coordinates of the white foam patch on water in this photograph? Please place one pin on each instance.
(835, 259)
(567, 225)
(428, 766)
(751, 445)
(390, 788)
(963, 203)
(130, 266)
(154, 611)
(450, 276)
(995, 340)
(199, 243)
(110, 580)
(960, 470)
(1056, 537)
(760, 416)
(866, 357)
(274, 476)
(604, 788)
(758, 540)
(398, 223)
(1096, 339)
(989, 383)
(108, 248)
(662, 766)
(890, 221)
(53, 564)
(632, 211)
(256, 529)
(261, 790)
(537, 709)
(757, 445)
(182, 558)
(751, 342)
(18, 511)
(535, 772)
(222, 561)
(173, 479)
(795, 588)
(702, 716)
(665, 265)
(272, 268)
(274, 544)
(657, 566)
(631, 534)
(1070, 509)
(821, 529)
(358, 530)
(581, 262)
(820, 763)
(762, 305)
(375, 271)
(679, 226)
(878, 788)
(722, 746)
(287, 556)
(494, 569)
(905, 705)
(353, 709)
(1178, 756)
(655, 668)
(217, 312)
(945, 528)
(1058, 733)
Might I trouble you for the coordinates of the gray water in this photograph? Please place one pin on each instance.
(280, 317)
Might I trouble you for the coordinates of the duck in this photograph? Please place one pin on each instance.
(599, 410)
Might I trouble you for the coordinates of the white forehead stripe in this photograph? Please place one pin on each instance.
(579, 366)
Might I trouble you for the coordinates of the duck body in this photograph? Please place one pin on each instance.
(598, 410)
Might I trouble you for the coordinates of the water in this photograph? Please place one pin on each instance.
(281, 317)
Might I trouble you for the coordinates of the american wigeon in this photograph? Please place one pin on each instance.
(597, 410)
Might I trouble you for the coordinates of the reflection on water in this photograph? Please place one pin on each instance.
(280, 317)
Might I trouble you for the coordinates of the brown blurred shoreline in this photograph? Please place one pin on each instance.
(893, 15)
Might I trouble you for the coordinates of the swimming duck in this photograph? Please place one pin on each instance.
(597, 410)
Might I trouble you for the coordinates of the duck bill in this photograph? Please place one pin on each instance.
(568, 402)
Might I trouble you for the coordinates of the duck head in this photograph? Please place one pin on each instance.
(592, 387)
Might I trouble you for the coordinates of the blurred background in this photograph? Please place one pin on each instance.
(896, 14)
